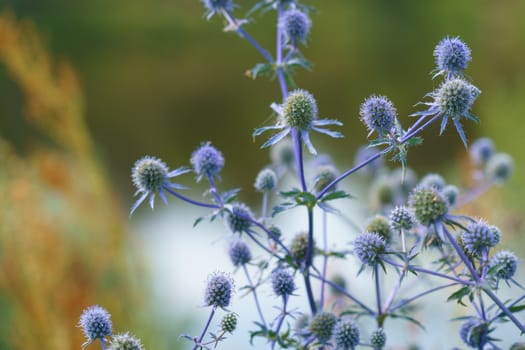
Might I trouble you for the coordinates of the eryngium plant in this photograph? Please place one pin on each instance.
(412, 223)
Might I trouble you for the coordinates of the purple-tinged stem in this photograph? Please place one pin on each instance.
(191, 201)
(504, 309)
(103, 343)
(378, 296)
(325, 259)
(252, 287)
(308, 262)
(199, 341)
(281, 319)
(409, 300)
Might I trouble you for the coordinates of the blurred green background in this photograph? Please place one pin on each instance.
(159, 79)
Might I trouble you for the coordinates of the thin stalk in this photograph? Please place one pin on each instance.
(430, 272)
(460, 252)
(214, 191)
(262, 246)
(325, 258)
(378, 296)
(308, 262)
(264, 205)
(504, 309)
(409, 300)
(256, 299)
(103, 343)
(281, 320)
(199, 341)
(191, 201)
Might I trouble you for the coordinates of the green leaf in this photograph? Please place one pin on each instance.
(460, 294)
(261, 69)
(410, 319)
(229, 196)
(282, 207)
(198, 221)
(334, 195)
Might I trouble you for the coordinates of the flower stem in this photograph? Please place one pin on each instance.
(308, 262)
(191, 201)
(252, 287)
(199, 341)
(103, 343)
(325, 259)
(379, 317)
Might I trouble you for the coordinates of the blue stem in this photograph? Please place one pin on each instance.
(325, 259)
(199, 341)
(378, 295)
(281, 320)
(252, 287)
(409, 300)
(191, 201)
(103, 343)
(308, 262)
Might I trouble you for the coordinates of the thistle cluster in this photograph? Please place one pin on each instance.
(219, 289)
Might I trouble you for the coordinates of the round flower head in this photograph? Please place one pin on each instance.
(372, 168)
(283, 283)
(346, 335)
(481, 150)
(229, 322)
(479, 236)
(296, 25)
(499, 168)
(266, 180)
(428, 204)
(324, 175)
(95, 322)
(378, 114)
(505, 263)
(298, 113)
(380, 225)
(405, 179)
(239, 253)
(402, 219)
(207, 161)
(368, 247)
(451, 193)
(299, 246)
(433, 181)
(239, 218)
(219, 290)
(474, 333)
(151, 175)
(378, 339)
(282, 153)
(322, 326)
(452, 56)
(217, 6)
(452, 100)
(382, 192)
(339, 281)
(125, 341)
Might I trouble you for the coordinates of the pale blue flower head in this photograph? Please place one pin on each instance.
(452, 57)
(207, 161)
(266, 180)
(125, 341)
(378, 114)
(296, 25)
(217, 6)
(505, 263)
(322, 326)
(499, 168)
(474, 332)
(346, 335)
(479, 237)
(481, 150)
(240, 253)
(95, 323)
(369, 248)
(219, 290)
(282, 282)
(378, 339)
(239, 218)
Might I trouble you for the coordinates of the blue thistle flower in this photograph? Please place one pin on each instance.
(378, 114)
(452, 57)
(324, 175)
(299, 112)
(207, 161)
(452, 100)
(346, 335)
(474, 332)
(506, 262)
(229, 322)
(378, 339)
(219, 290)
(239, 253)
(322, 326)
(429, 205)
(296, 25)
(480, 236)
(95, 323)
(402, 219)
(151, 175)
(481, 150)
(299, 246)
(451, 193)
(125, 341)
(239, 218)
(499, 168)
(282, 282)
(266, 180)
(369, 247)
(283, 154)
(433, 181)
(217, 6)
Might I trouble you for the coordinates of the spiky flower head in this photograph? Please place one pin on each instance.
(217, 6)
(380, 225)
(207, 161)
(378, 114)
(500, 167)
(299, 246)
(455, 97)
(378, 339)
(346, 335)
(324, 175)
(296, 25)
(506, 263)
(452, 56)
(363, 154)
(219, 289)
(405, 179)
(322, 326)
(428, 204)
(283, 283)
(451, 193)
(239, 218)
(95, 323)
(239, 253)
(125, 341)
(481, 150)
(474, 332)
(382, 192)
(300, 109)
(266, 180)
(402, 219)
(369, 247)
(433, 181)
(479, 236)
(229, 322)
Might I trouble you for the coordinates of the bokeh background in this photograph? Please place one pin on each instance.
(88, 87)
